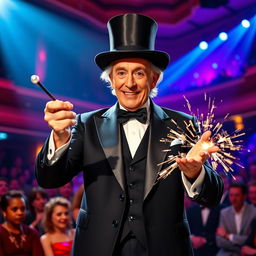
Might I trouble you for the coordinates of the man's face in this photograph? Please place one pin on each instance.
(132, 80)
(252, 194)
(236, 197)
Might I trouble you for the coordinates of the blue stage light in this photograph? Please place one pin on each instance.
(245, 23)
(3, 135)
(203, 45)
(223, 36)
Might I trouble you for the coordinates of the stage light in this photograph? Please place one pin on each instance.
(245, 23)
(195, 75)
(3, 135)
(223, 36)
(203, 45)
(214, 65)
(6, 6)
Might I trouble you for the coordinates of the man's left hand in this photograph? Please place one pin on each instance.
(191, 165)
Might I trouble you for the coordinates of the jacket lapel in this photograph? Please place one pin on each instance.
(155, 155)
(110, 138)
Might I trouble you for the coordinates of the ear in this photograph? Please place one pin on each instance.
(154, 80)
(4, 214)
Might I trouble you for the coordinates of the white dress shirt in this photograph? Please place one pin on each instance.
(134, 132)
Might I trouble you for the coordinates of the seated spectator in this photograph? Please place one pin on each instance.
(4, 188)
(252, 192)
(252, 171)
(15, 237)
(37, 199)
(66, 191)
(4, 172)
(14, 184)
(235, 222)
(249, 247)
(59, 236)
(203, 223)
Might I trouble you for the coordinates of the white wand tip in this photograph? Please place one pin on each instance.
(35, 79)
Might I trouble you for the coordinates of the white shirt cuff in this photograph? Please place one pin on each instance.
(195, 188)
(53, 155)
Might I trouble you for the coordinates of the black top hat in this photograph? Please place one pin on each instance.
(132, 36)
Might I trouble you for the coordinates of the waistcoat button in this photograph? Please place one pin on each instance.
(122, 197)
(115, 223)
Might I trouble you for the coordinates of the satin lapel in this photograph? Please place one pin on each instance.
(158, 130)
(109, 135)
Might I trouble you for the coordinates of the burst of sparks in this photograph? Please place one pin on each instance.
(227, 143)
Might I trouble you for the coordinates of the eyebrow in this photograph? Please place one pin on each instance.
(136, 69)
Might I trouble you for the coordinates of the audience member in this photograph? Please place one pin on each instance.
(17, 168)
(14, 184)
(37, 199)
(59, 236)
(203, 224)
(252, 192)
(4, 188)
(15, 237)
(252, 171)
(249, 247)
(235, 222)
(66, 191)
(4, 172)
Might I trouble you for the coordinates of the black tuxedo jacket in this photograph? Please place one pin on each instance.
(95, 149)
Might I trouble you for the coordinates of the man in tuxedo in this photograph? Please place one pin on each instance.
(124, 210)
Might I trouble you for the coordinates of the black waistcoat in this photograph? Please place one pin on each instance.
(134, 169)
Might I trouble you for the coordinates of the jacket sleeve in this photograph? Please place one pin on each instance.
(212, 188)
(69, 164)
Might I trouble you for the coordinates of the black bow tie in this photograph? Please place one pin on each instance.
(140, 114)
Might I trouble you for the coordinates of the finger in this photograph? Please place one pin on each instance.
(63, 114)
(59, 115)
(61, 125)
(204, 155)
(213, 149)
(206, 136)
(56, 105)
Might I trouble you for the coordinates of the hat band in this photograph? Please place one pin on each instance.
(131, 48)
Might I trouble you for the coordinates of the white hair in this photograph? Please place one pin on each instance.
(153, 93)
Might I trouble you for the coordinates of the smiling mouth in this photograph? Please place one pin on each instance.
(130, 93)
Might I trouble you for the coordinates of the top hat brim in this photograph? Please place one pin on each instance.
(158, 58)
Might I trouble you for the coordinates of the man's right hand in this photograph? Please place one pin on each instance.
(60, 117)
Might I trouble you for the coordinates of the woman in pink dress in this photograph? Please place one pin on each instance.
(59, 236)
